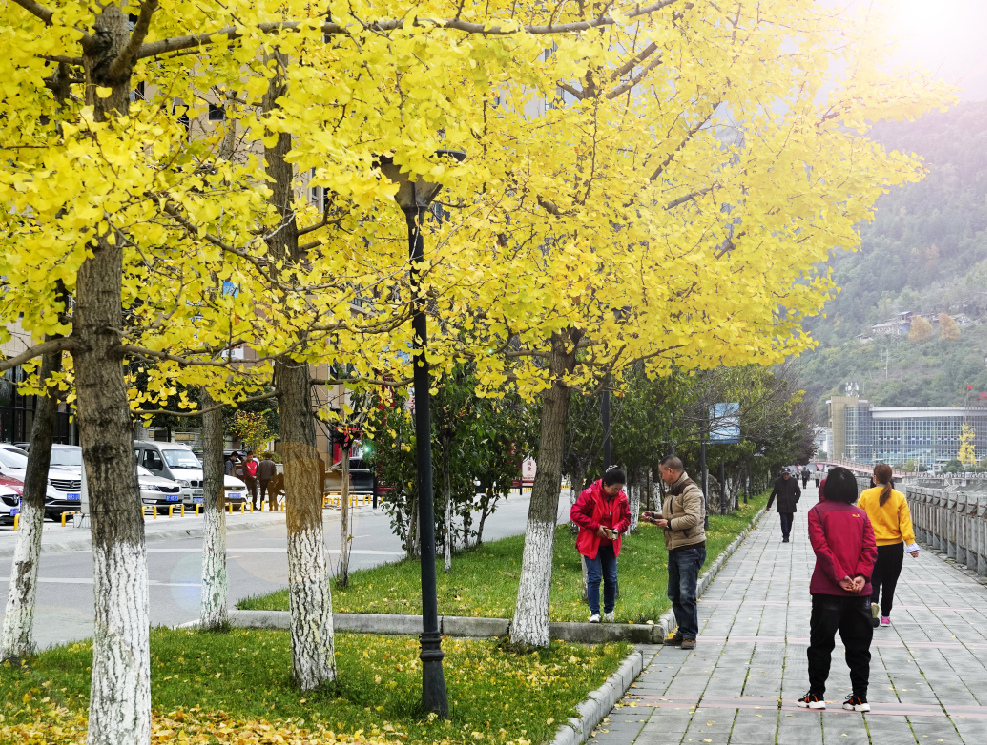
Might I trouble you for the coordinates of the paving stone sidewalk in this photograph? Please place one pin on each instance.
(928, 682)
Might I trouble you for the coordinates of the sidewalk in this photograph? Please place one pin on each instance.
(928, 681)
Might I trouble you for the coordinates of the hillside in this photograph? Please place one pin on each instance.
(925, 252)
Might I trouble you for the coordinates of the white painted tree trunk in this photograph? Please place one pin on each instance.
(447, 487)
(530, 625)
(635, 502)
(213, 610)
(585, 594)
(18, 622)
(310, 597)
(345, 519)
(121, 646)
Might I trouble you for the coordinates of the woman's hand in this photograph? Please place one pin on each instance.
(914, 554)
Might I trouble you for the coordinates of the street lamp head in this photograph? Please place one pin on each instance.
(414, 192)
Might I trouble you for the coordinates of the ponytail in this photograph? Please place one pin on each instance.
(883, 475)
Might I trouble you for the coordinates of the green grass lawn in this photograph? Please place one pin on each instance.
(484, 582)
(221, 687)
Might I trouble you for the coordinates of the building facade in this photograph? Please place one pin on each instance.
(928, 436)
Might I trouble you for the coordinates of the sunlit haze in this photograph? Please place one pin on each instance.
(948, 38)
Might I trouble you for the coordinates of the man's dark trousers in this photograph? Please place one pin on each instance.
(683, 575)
(787, 518)
(850, 615)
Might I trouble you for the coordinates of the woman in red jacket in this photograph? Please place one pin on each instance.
(843, 540)
(602, 513)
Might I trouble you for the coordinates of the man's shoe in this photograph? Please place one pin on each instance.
(608, 617)
(785, 539)
(674, 640)
(688, 644)
(875, 615)
(811, 701)
(856, 703)
(885, 620)
(595, 618)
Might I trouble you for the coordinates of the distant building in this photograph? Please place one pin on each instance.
(930, 436)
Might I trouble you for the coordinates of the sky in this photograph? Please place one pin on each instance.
(948, 37)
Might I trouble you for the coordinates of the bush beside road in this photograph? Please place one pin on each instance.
(484, 581)
(238, 685)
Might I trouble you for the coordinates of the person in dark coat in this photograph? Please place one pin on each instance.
(788, 493)
(805, 477)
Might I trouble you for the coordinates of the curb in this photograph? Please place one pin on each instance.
(594, 709)
(667, 621)
(86, 544)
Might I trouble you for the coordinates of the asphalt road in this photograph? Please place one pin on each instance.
(257, 564)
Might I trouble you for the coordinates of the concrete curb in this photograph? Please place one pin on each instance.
(594, 709)
(85, 544)
(667, 622)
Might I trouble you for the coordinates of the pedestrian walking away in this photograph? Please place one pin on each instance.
(843, 541)
(602, 513)
(250, 478)
(788, 493)
(888, 513)
(805, 477)
(266, 471)
(682, 516)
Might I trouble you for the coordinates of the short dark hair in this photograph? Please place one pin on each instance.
(614, 476)
(841, 486)
(673, 462)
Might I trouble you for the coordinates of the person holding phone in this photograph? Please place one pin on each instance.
(602, 513)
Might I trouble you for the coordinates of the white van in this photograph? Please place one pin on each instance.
(178, 463)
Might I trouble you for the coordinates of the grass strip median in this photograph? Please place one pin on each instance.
(237, 687)
(484, 581)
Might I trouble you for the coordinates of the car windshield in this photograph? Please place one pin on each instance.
(181, 458)
(70, 457)
(12, 458)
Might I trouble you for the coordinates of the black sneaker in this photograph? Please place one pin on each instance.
(856, 703)
(811, 701)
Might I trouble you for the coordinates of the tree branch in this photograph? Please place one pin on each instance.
(197, 412)
(37, 10)
(371, 381)
(129, 53)
(55, 345)
(232, 33)
(624, 87)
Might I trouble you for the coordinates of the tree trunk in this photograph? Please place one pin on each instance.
(483, 520)
(120, 698)
(17, 640)
(447, 488)
(574, 491)
(215, 584)
(345, 534)
(309, 588)
(635, 499)
(530, 625)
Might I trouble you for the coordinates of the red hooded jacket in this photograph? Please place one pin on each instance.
(843, 539)
(593, 509)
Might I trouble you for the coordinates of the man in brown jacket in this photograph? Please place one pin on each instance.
(266, 471)
(682, 516)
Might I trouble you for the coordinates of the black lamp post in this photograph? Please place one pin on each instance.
(414, 197)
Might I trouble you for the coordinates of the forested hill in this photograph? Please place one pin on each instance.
(925, 252)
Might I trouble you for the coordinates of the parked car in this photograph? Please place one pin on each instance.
(10, 499)
(64, 493)
(158, 492)
(178, 463)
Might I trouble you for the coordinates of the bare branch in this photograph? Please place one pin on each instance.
(231, 33)
(688, 198)
(129, 53)
(574, 92)
(634, 61)
(624, 87)
(55, 345)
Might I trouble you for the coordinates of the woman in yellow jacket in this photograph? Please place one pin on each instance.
(888, 513)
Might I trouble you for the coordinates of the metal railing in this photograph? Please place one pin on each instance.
(952, 522)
